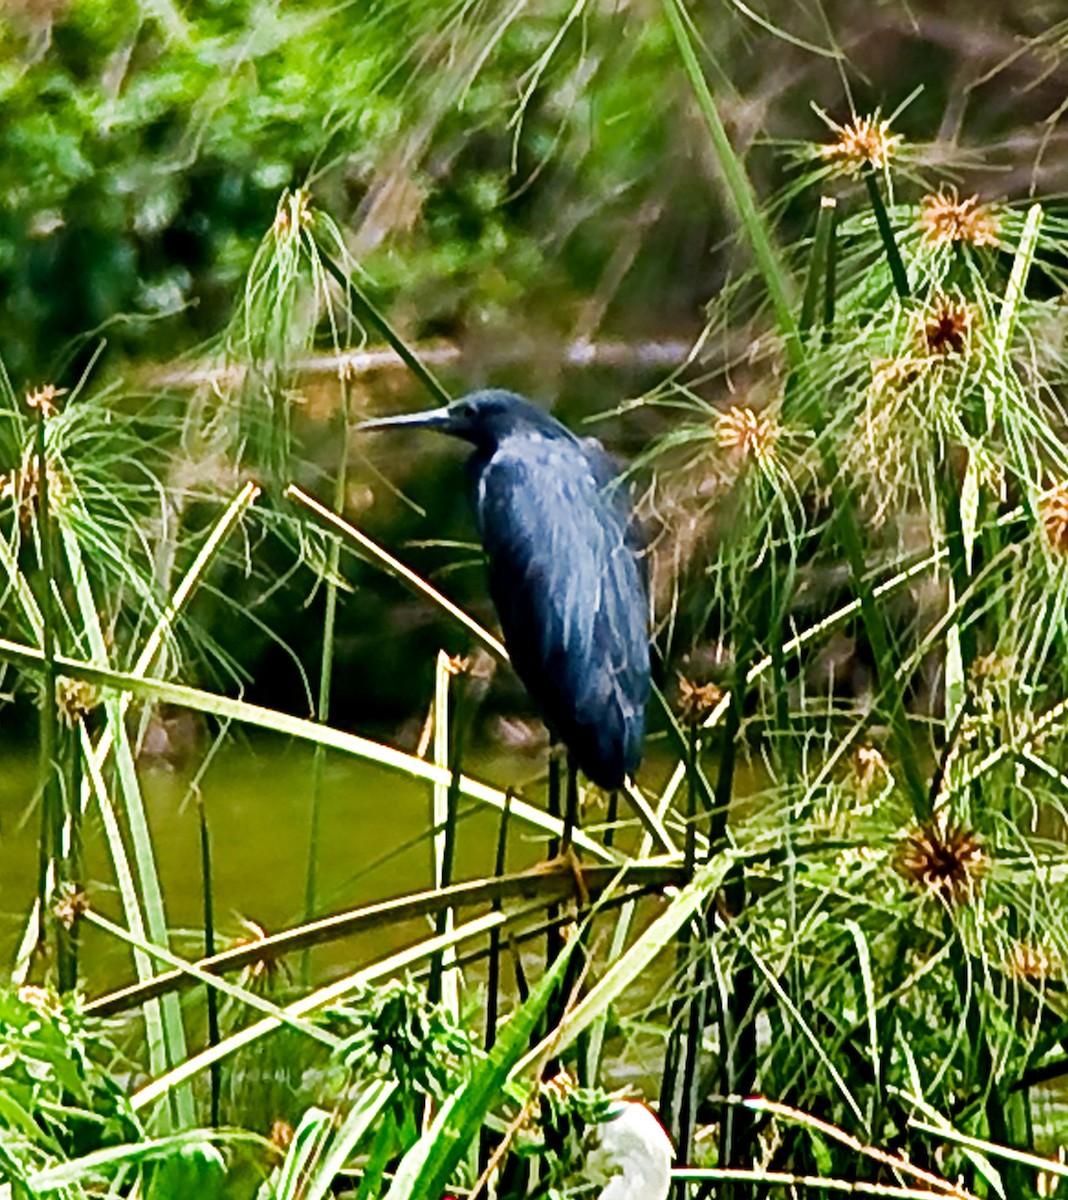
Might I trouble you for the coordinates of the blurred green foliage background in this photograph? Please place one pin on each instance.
(514, 177)
(495, 166)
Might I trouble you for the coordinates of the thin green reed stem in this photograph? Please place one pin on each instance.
(422, 372)
(689, 1098)
(780, 591)
(611, 818)
(830, 287)
(180, 1101)
(1014, 293)
(493, 973)
(729, 731)
(817, 268)
(677, 735)
(777, 279)
(466, 701)
(162, 1019)
(75, 848)
(493, 985)
(886, 232)
(690, 845)
(847, 528)
(673, 1089)
(885, 663)
(326, 671)
(207, 890)
(51, 848)
(798, 399)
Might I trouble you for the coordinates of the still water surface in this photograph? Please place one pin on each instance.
(373, 844)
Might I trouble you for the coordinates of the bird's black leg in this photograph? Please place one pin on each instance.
(553, 798)
(562, 849)
(571, 811)
(553, 941)
(611, 817)
(576, 964)
(494, 976)
(493, 979)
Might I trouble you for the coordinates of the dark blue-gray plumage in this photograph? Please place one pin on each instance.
(563, 572)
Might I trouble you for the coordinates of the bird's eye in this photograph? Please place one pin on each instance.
(464, 409)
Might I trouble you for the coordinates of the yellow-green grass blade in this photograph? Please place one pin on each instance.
(152, 918)
(187, 585)
(777, 280)
(228, 709)
(627, 970)
(397, 569)
(547, 883)
(400, 961)
(235, 992)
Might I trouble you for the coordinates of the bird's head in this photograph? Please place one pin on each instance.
(484, 418)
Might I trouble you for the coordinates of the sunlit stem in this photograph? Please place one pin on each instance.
(818, 275)
(443, 974)
(500, 865)
(886, 232)
(53, 870)
(464, 706)
(422, 372)
(208, 911)
(776, 277)
(397, 569)
(326, 669)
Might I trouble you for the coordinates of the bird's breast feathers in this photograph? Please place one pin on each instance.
(557, 544)
(569, 594)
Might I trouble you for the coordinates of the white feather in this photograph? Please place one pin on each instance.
(632, 1156)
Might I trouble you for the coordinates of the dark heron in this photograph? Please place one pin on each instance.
(563, 572)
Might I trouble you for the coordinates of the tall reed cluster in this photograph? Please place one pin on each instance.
(851, 977)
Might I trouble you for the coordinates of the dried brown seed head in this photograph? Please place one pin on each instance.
(22, 486)
(281, 1135)
(947, 220)
(1053, 509)
(76, 699)
(990, 667)
(748, 434)
(45, 1000)
(1026, 960)
(294, 213)
(43, 400)
(561, 1084)
(265, 969)
(697, 700)
(869, 767)
(947, 326)
(70, 904)
(864, 141)
(948, 862)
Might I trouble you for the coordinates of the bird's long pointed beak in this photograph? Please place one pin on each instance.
(433, 418)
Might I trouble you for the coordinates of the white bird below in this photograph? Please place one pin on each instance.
(632, 1156)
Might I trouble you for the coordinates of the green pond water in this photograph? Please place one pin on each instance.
(373, 844)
